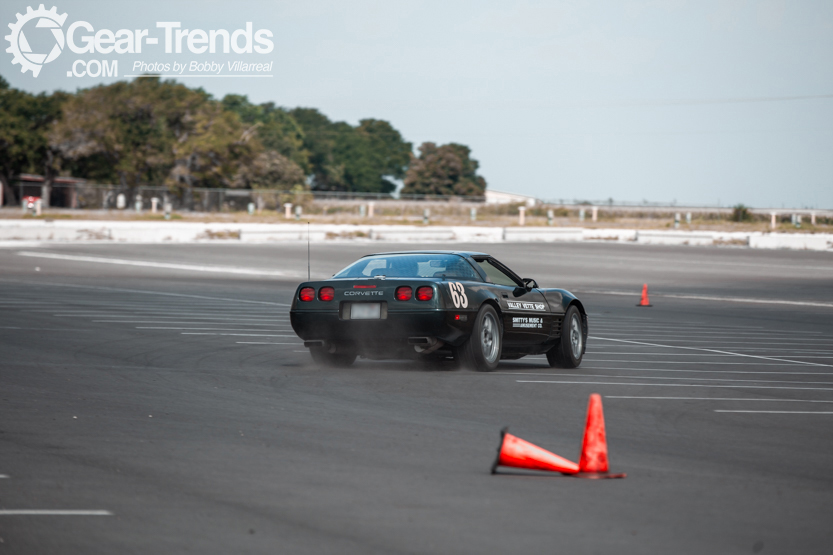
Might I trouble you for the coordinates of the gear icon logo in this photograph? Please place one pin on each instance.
(19, 46)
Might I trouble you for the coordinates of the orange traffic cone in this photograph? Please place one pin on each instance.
(593, 461)
(644, 301)
(513, 451)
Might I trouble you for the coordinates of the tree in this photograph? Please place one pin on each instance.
(386, 155)
(276, 128)
(347, 158)
(154, 132)
(270, 170)
(211, 147)
(125, 132)
(25, 120)
(443, 170)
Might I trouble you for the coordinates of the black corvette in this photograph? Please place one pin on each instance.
(434, 305)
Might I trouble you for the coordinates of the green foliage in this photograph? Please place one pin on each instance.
(347, 158)
(25, 120)
(270, 170)
(276, 128)
(443, 170)
(213, 147)
(153, 132)
(740, 213)
(128, 132)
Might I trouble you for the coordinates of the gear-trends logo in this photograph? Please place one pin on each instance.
(39, 37)
(35, 21)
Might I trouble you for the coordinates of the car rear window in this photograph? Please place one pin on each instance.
(450, 266)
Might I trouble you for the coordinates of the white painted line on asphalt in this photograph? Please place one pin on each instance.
(675, 326)
(2, 476)
(711, 351)
(153, 313)
(244, 323)
(265, 318)
(264, 343)
(164, 265)
(757, 343)
(662, 377)
(720, 299)
(689, 354)
(717, 399)
(195, 329)
(145, 305)
(717, 338)
(719, 363)
(721, 371)
(44, 329)
(64, 364)
(142, 292)
(247, 321)
(50, 512)
(786, 350)
(164, 319)
(236, 334)
(777, 411)
(643, 353)
(671, 330)
(683, 385)
(656, 323)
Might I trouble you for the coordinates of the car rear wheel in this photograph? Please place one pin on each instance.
(482, 349)
(324, 357)
(569, 350)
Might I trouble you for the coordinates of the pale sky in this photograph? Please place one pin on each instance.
(696, 102)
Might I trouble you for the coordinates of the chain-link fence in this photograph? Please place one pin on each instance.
(89, 196)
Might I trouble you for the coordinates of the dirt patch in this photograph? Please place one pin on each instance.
(346, 235)
(102, 234)
(731, 242)
(225, 234)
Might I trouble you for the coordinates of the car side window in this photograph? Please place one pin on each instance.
(495, 274)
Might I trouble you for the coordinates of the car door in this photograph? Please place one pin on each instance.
(526, 318)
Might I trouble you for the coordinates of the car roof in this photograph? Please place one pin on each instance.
(459, 253)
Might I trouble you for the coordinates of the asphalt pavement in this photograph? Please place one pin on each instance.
(154, 399)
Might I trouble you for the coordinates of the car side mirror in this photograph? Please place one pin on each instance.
(530, 284)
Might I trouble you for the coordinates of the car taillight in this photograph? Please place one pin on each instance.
(307, 294)
(425, 293)
(404, 293)
(326, 294)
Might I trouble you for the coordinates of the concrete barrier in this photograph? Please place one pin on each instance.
(795, 241)
(609, 234)
(18, 231)
(656, 237)
(541, 234)
(413, 234)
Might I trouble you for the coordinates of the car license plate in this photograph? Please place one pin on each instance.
(365, 311)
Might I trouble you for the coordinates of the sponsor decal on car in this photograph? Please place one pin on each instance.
(362, 293)
(526, 306)
(527, 322)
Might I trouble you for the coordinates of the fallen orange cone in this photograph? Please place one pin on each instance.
(644, 301)
(515, 452)
(593, 462)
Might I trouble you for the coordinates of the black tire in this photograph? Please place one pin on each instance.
(481, 351)
(326, 358)
(569, 350)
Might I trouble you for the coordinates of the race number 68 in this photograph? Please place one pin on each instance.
(458, 294)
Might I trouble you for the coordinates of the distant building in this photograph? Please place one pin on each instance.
(61, 193)
(498, 197)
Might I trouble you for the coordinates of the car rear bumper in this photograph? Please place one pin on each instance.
(382, 334)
